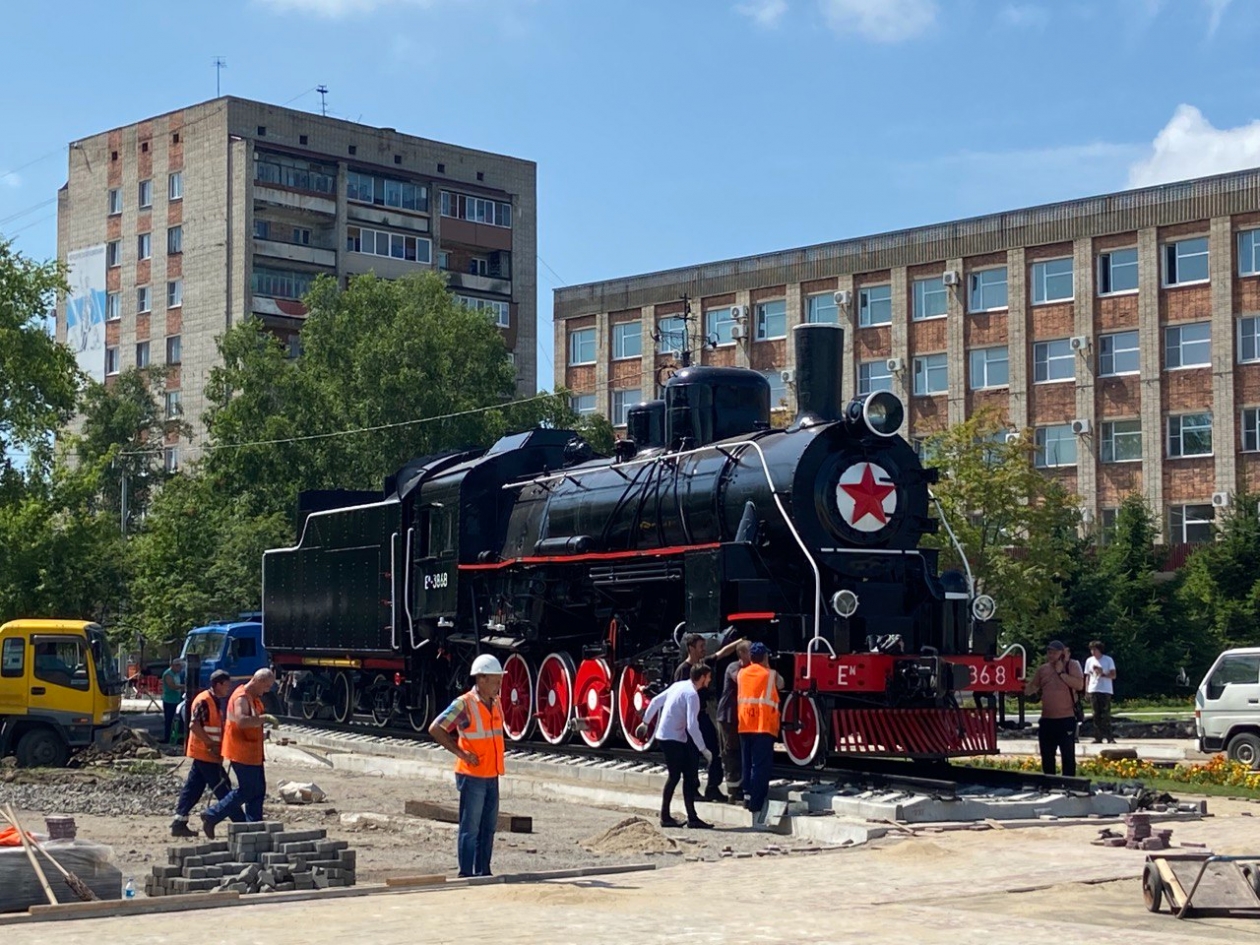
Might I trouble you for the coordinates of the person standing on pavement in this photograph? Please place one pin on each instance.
(694, 644)
(1059, 680)
(679, 736)
(728, 721)
(205, 744)
(758, 702)
(243, 746)
(172, 693)
(1100, 674)
(478, 717)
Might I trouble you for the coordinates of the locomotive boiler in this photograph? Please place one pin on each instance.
(582, 572)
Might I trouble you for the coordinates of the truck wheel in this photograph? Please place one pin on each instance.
(1245, 749)
(42, 748)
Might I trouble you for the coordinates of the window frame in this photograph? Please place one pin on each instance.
(174, 349)
(113, 306)
(175, 293)
(144, 246)
(766, 317)
(113, 254)
(919, 297)
(619, 405)
(865, 302)
(664, 334)
(1182, 510)
(1255, 342)
(1254, 430)
(114, 355)
(1108, 437)
(1172, 260)
(1168, 347)
(1105, 257)
(146, 306)
(1044, 346)
(716, 320)
(868, 384)
(114, 201)
(145, 194)
(1042, 282)
(921, 367)
(173, 404)
(577, 408)
(7, 648)
(1041, 441)
(1252, 235)
(813, 308)
(143, 362)
(175, 240)
(175, 186)
(976, 286)
(777, 385)
(577, 341)
(620, 337)
(1102, 339)
(1180, 436)
(987, 361)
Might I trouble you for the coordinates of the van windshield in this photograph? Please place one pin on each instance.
(204, 645)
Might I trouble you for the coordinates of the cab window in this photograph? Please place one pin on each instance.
(12, 657)
(62, 663)
(1233, 669)
(246, 647)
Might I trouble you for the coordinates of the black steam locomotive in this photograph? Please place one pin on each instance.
(581, 573)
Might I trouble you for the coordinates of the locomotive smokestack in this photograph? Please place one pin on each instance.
(819, 371)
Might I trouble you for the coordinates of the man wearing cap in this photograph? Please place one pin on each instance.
(1059, 680)
(758, 707)
(205, 751)
(478, 717)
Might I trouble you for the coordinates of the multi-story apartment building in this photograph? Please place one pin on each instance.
(1122, 330)
(180, 226)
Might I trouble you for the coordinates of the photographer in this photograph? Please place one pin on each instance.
(1059, 679)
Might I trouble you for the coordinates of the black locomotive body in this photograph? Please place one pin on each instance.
(581, 573)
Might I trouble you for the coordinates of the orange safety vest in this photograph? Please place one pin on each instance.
(243, 745)
(758, 701)
(481, 732)
(201, 749)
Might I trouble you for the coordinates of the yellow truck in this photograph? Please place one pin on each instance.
(60, 690)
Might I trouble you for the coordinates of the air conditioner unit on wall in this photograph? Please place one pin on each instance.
(788, 376)
(1012, 437)
(843, 297)
(894, 364)
(1079, 342)
(1080, 427)
(739, 313)
(1220, 500)
(951, 277)
(738, 332)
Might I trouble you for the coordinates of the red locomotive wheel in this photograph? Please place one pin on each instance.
(517, 698)
(632, 702)
(802, 729)
(554, 697)
(593, 703)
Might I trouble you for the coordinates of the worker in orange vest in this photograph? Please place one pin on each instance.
(243, 746)
(758, 706)
(205, 740)
(478, 717)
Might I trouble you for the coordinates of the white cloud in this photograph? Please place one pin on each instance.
(884, 21)
(339, 8)
(11, 180)
(1216, 11)
(765, 13)
(1024, 15)
(1189, 146)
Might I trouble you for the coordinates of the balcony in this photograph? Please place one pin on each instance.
(464, 280)
(293, 252)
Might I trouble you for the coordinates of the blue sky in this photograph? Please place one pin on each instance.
(669, 132)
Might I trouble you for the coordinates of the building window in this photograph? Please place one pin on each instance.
(144, 300)
(282, 283)
(111, 360)
(990, 367)
(115, 201)
(295, 173)
(1117, 272)
(622, 401)
(478, 266)
(1251, 430)
(582, 346)
(113, 253)
(875, 305)
(1107, 525)
(174, 405)
(1188, 346)
(1249, 339)
(988, 290)
(476, 209)
(1190, 435)
(262, 229)
(175, 293)
(931, 374)
(873, 376)
(171, 459)
(1056, 446)
(175, 186)
(381, 243)
(771, 320)
(1186, 261)
(671, 333)
(142, 354)
(583, 404)
(174, 240)
(144, 246)
(1121, 441)
(822, 309)
(931, 298)
(146, 194)
(718, 323)
(1249, 253)
(1052, 281)
(443, 259)
(502, 311)
(1054, 361)
(1190, 523)
(174, 350)
(113, 306)
(1118, 354)
(386, 192)
(627, 340)
(778, 389)
(301, 236)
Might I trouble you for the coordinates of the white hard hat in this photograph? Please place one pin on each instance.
(486, 665)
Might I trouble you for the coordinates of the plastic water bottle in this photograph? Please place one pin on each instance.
(129, 891)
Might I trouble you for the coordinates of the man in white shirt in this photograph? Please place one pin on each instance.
(1100, 670)
(681, 740)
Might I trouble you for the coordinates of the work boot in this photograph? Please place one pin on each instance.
(180, 829)
(208, 826)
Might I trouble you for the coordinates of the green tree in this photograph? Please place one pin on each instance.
(1222, 579)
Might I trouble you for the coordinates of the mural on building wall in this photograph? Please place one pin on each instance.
(85, 309)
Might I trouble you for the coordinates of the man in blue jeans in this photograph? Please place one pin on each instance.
(172, 693)
(478, 717)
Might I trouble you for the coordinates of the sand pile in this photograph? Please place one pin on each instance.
(632, 835)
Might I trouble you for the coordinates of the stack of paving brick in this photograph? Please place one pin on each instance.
(260, 857)
(1139, 835)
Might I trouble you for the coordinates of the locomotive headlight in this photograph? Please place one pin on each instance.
(881, 412)
(844, 602)
(984, 607)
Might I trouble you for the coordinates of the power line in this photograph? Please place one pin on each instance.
(31, 209)
(563, 281)
(34, 161)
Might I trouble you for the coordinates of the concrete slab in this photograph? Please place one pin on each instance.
(918, 808)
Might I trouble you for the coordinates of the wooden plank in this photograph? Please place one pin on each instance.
(449, 814)
(409, 881)
(81, 910)
(1171, 883)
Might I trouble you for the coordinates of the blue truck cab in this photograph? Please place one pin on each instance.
(232, 645)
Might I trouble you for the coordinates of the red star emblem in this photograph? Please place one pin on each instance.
(868, 497)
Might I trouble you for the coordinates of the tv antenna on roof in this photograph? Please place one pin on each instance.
(323, 107)
(219, 65)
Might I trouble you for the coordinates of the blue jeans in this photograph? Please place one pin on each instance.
(247, 798)
(168, 721)
(756, 753)
(204, 774)
(478, 815)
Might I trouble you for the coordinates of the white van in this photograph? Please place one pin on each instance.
(1227, 706)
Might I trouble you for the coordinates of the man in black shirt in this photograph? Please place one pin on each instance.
(694, 645)
(728, 718)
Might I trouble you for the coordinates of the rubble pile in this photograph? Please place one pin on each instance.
(1138, 836)
(112, 792)
(255, 858)
(131, 745)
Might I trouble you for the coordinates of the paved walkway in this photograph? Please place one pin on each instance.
(1152, 749)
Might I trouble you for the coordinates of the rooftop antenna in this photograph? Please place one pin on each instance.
(219, 65)
(323, 106)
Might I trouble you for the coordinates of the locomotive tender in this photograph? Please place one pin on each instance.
(581, 573)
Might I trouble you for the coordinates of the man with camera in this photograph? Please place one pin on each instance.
(1059, 680)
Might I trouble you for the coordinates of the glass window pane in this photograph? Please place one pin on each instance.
(822, 309)
(931, 298)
